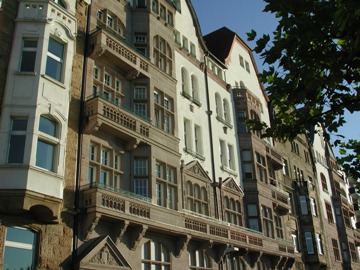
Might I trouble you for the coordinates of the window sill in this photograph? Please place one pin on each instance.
(228, 170)
(194, 154)
(53, 81)
(25, 73)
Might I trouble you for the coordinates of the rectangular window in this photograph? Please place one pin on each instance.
(107, 79)
(247, 66)
(336, 249)
(17, 140)
(313, 207)
(253, 217)
(100, 15)
(96, 73)
(268, 226)
(45, 155)
(319, 243)
(104, 177)
(28, 55)
(91, 174)
(303, 205)
(140, 166)
(187, 134)
(353, 252)
(222, 152)
(140, 109)
(309, 243)
(241, 59)
(141, 3)
(295, 242)
(329, 213)
(105, 157)
(197, 137)
(140, 186)
(230, 152)
(55, 59)
(261, 168)
(140, 92)
(110, 21)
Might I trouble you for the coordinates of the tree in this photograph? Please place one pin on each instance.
(313, 73)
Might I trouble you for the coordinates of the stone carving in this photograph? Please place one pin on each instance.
(104, 257)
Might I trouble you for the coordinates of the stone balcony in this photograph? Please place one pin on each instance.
(117, 53)
(141, 214)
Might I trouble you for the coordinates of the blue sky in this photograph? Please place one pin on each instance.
(241, 16)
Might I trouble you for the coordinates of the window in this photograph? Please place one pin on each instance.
(140, 96)
(17, 140)
(339, 220)
(60, 3)
(197, 137)
(241, 59)
(154, 255)
(323, 182)
(222, 152)
(261, 168)
(187, 135)
(28, 55)
(230, 157)
(226, 111)
(162, 54)
(140, 176)
(163, 112)
(140, 92)
(194, 89)
(247, 66)
(353, 253)
(107, 79)
(100, 15)
(309, 243)
(319, 243)
(313, 207)
(278, 227)
(55, 59)
(285, 167)
(234, 263)
(253, 217)
(336, 249)
(110, 21)
(105, 165)
(165, 185)
(141, 3)
(196, 198)
(303, 205)
(185, 83)
(345, 251)
(199, 260)
(233, 211)
(141, 43)
(47, 142)
(219, 112)
(329, 213)
(295, 242)
(268, 226)
(19, 249)
(155, 6)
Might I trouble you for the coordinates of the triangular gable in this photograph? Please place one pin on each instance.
(102, 254)
(231, 184)
(195, 170)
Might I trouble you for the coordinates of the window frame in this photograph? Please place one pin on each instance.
(58, 60)
(26, 50)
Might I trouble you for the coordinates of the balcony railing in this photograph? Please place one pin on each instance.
(102, 41)
(118, 114)
(106, 199)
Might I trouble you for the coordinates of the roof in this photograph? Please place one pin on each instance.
(220, 42)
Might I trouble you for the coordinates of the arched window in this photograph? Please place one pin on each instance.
(219, 112)
(185, 82)
(199, 260)
(226, 106)
(162, 55)
(323, 182)
(232, 211)
(155, 255)
(47, 143)
(195, 88)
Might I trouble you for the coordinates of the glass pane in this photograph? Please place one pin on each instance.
(53, 68)
(20, 235)
(18, 259)
(19, 124)
(28, 61)
(30, 43)
(47, 126)
(16, 151)
(45, 155)
(56, 48)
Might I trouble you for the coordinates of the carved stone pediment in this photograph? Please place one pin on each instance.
(195, 170)
(102, 254)
(231, 184)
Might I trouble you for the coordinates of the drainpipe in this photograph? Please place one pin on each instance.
(209, 113)
(79, 144)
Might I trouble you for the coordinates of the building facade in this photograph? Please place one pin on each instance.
(125, 147)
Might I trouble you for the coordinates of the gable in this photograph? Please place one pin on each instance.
(195, 170)
(231, 184)
(102, 254)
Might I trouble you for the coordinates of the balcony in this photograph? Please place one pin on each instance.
(123, 207)
(116, 52)
(274, 157)
(115, 119)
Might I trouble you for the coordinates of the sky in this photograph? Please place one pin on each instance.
(241, 16)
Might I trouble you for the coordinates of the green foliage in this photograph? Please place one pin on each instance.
(313, 60)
